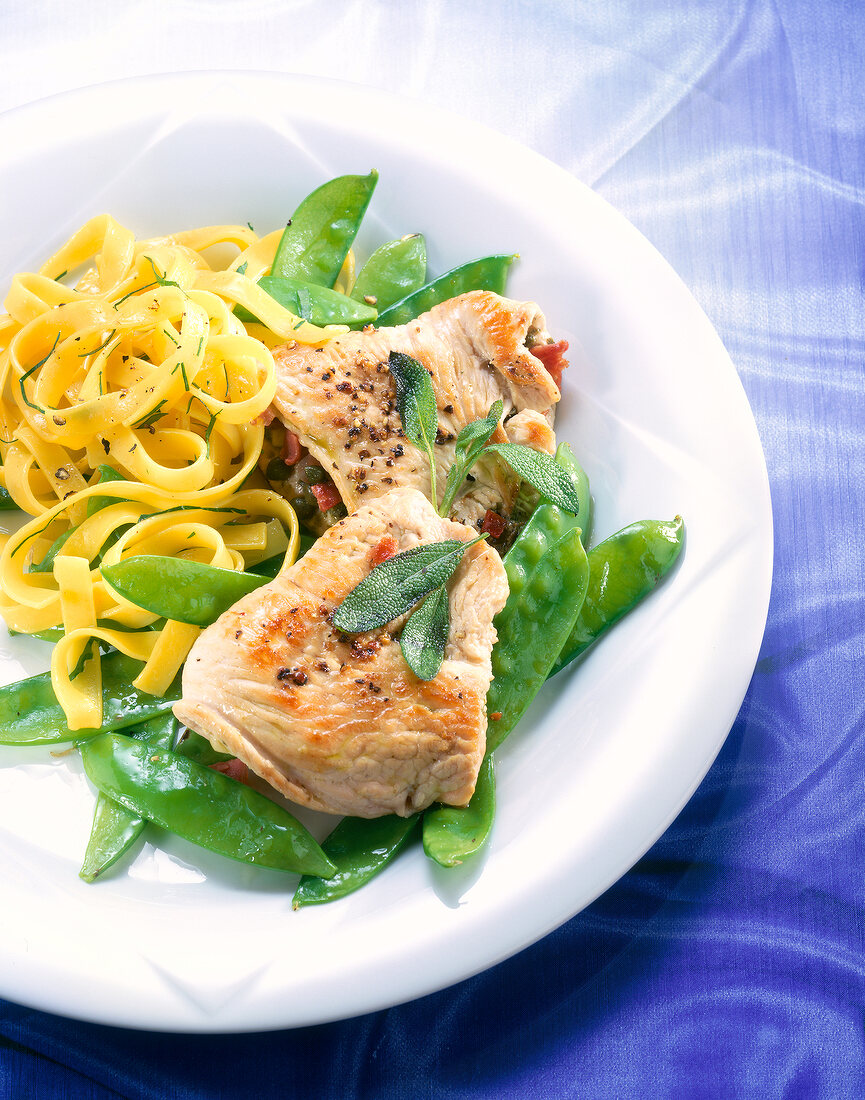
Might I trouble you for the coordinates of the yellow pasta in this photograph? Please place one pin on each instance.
(140, 365)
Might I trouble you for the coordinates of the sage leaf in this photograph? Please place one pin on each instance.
(416, 404)
(396, 585)
(470, 443)
(542, 471)
(425, 635)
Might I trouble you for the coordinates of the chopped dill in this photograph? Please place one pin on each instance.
(104, 344)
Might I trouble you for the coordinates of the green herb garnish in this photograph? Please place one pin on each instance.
(396, 585)
(425, 635)
(470, 443)
(542, 471)
(416, 403)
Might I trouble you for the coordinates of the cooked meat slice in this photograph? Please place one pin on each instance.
(341, 723)
(340, 399)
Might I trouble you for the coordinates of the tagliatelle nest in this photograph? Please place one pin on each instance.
(141, 372)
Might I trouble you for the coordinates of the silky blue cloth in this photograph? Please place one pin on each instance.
(729, 962)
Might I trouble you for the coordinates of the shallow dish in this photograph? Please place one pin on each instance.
(612, 748)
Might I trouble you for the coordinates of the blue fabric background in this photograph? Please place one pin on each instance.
(729, 962)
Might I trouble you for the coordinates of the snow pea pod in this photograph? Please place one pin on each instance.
(322, 229)
(452, 833)
(488, 273)
(115, 829)
(539, 614)
(547, 524)
(317, 304)
(392, 272)
(565, 458)
(532, 627)
(31, 715)
(623, 569)
(187, 591)
(201, 805)
(96, 504)
(360, 848)
(195, 747)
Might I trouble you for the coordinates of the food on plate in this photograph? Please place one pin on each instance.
(338, 401)
(339, 722)
(171, 411)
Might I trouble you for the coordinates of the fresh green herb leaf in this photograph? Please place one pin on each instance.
(416, 403)
(214, 417)
(542, 471)
(135, 290)
(470, 443)
(304, 303)
(102, 346)
(162, 279)
(149, 419)
(242, 269)
(36, 367)
(396, 585)
(425, 635)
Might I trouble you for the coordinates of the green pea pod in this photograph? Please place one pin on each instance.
(7, 504)
(115, 829)
(622, 570)
(453, 833)
(31, 715)
(360, 848)
(195, 747)
(187, 591)
(547, 524)
(533, 625)
(317, 304)
(201, 805)
(489, 273)
(96, 504)
(540, 611)
(322, 229)
(392, 272)
(565, 458)
(113, 833)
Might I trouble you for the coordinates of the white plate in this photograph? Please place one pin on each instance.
(611, 750)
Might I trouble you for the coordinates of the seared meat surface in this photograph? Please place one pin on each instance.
(340, 399)
(340, 723)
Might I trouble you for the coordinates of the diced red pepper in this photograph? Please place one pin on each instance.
(385, 549)
(553, 358)
(327, 495)
(291, 448)
(234, 769)
(494, 525)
